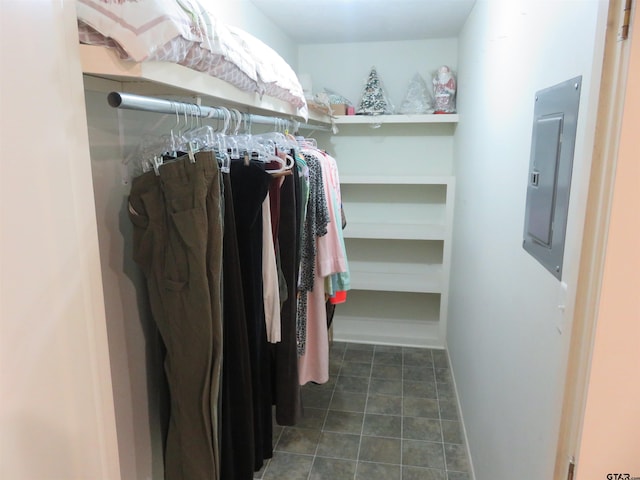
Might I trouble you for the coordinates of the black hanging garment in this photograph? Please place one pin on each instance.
(287, 397)
(237, 453)
(249, 184)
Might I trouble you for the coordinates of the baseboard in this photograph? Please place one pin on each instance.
(462, 422)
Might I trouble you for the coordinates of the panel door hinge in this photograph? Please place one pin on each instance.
(572, 468)
(626, 20)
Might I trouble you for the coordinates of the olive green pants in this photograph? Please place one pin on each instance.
(177, 218)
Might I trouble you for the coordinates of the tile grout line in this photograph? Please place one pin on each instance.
(268, 462)
(364, 413)
(326, 414)
(440, 393)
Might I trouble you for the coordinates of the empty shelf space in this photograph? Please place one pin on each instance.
(387, 211)
(395, 195)
(394, 231)
(396, 265)
(410, 319)
(394, 180)
(430, 282)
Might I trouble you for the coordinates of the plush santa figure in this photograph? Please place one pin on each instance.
(444, 91)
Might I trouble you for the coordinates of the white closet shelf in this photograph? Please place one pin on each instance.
(374, 119)
(409, 333)
(395, 231)
(165, 78)
(424, 282)
(394, 180)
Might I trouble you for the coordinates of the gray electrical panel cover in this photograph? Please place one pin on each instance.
(553, 141)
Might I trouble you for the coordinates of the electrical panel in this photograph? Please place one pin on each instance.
(549, 182)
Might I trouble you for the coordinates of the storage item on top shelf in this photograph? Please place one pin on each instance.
(166, 31)
(336, 103)
(418, 98)
(374, 100)
(336, 98)
(444, 90)
(338, 109)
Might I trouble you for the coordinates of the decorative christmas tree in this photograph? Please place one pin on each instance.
(417, 99)
(374, 101)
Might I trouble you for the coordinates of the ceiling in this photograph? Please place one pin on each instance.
(340, 21)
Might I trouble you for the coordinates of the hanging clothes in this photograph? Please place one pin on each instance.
(270, 284)
(286, 385)
(330, 259)
(315, 224)
(237, 452)
(335, 251)
(331, 247)
(238, 266)
(249, 184)
(177, 243)
(339, 296)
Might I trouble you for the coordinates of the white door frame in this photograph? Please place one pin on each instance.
(594, 249)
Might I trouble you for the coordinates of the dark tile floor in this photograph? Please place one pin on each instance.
(387, 413)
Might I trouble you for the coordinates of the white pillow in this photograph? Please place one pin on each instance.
(274, 72)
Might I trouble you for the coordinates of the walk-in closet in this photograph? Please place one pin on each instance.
(255, 240)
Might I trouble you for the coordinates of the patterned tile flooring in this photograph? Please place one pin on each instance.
(387, 413)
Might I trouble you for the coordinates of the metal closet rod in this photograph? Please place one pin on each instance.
(130, 101)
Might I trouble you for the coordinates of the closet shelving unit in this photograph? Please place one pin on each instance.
(397, 191)
(102, 64)
(398, 218)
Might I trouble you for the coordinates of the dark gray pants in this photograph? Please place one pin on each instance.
(178, 225)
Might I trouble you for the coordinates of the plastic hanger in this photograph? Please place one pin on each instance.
(231, 143)
(155, 148)
(283, 169)
(304, 142)
(202, 137)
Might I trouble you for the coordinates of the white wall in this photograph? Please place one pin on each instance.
(508, 339)
(243, 14)
(139, 388)
(56, 403)
(344, 68)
